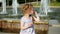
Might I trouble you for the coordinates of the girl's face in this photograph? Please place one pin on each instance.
(30, 10)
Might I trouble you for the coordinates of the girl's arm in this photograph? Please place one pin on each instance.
(37, 19)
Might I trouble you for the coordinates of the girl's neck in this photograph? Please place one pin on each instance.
(26, 15)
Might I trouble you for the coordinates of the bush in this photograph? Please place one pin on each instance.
(58, 0)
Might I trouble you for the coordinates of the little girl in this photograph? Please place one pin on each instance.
(27, 25)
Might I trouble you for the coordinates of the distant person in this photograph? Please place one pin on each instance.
(27, 25)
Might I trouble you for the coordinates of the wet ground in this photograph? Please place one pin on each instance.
(54, 29)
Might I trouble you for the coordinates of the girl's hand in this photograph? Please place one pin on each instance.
(36, 17)
(36, 13)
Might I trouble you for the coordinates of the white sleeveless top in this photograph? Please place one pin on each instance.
(30, 30)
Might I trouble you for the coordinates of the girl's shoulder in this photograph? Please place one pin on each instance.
(22, 18)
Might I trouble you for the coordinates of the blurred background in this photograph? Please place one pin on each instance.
(48, 11)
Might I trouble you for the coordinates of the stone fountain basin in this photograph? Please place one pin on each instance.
(12, 25)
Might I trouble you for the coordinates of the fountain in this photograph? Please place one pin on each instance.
(25, 1)
(45, 7)
(44, 25)
(0, 0)
(14, 5)
(4, 7)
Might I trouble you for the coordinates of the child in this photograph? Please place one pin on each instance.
(27, 26)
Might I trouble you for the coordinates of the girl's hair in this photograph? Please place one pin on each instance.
(25, 7)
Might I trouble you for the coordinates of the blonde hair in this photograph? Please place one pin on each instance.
(25, 7)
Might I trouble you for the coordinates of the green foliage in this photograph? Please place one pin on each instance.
(58, 0)
(55, 4)
(51, 4)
